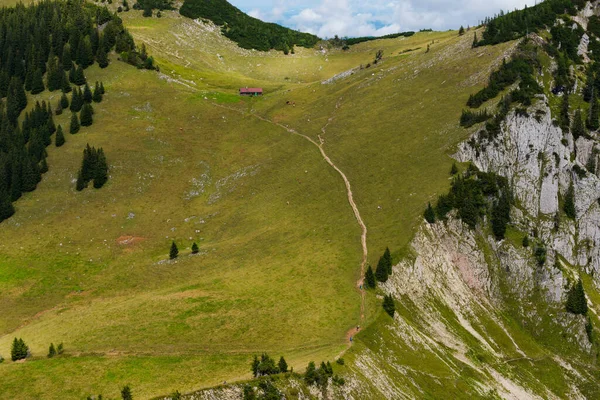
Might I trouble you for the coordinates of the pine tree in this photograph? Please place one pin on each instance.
(43, 168)
(174, 252)
(429, 214)
(102, 88)
(74, 126)
(78, 76)
(29, 174)
(66, 84)
(6, 207)
(76, 101)
(381, 272)
(254, 366)
(85, 56)
(593, 123)
(195, 249)
(475, 40)
(64, 101)
(283, 367)
(19, 350)
(569, 203)
(126, 393)
(51, 351)
(370, 278)
(525, 241)
(100, 170)
(387, 259)
(578, 127)
(60, 137)
(389, 306)
(576, 301)
(86, 115)
(67, 61)
(565, 119)
(461, 31)
(87, 94)
(97, 96)
(101, 54)
(80, 185)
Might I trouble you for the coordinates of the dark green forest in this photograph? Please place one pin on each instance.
(47, 46)
(509, 26)
(247, 32)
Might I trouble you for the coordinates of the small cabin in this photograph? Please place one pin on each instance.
(251, 92)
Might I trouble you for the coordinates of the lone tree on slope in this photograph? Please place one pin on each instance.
(174, 252)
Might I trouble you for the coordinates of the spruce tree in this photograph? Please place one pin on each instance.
(87, 94)
(565, 120)
(6, 207)
(525, 241)
(461, 31)
(60, 137)
(429, 214)
(569, 203)
(66, 84)
(67, 61)
(592, 122)
(126, 393)
(101, 55)
(283, 367)
(381, 272)
(78, 76)
(64, 101)
(389, 306)
(72, 74)
(86, 115)
(578, 127)
(387, 258)
(195, 249)
(576, 301)
(80, 185)
(100, 170)
(475, 40)
(29, 175)
(85, 56)
(97, 96)
(254, 366)
(174, 252)
(51, 351)
(19, 350)
(43, 168)
(102, 88)
(74, 126)
(370, 278)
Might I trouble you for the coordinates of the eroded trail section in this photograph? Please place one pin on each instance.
(357, 216)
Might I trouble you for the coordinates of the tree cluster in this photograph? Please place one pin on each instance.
(19, 350)
(265, 365)
(93, 168)
(475, 194)
(509, 26)
(266, 391)
(318, 376)
(246, 31)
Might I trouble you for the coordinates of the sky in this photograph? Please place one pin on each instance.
(326, 18)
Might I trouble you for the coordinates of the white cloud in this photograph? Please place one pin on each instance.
(327, 18)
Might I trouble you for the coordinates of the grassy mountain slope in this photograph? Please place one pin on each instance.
(280, 249)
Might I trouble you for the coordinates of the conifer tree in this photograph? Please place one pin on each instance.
(85, 56)
(174, 252)
(72, 74)
(60, 349)
(64, 101)
(569, 204)
(454, 169)
(80, 185)
(195, 249)
(475, 40)
(51, 351)
(43, 166)
(74, 126)
(381, 272)
(54, 75)
(67, 61)
(87, 94)
(461, 31)
(78, 76)
(100, 170)
(576, 301)
(76, 100)
(389, 306)
(526, 241)
(60, 137)
(86, 115)
(370, 278)
(254, 366)
(19, 350)
(6, 207)
(126, 393)
(101, 55)
(283, 367)
(66, 84)
(102, 88)
(97, 96)
(565, 120)
(387, 258)
(592, 121)
(578, 127)
(30, 175)
(429, 214)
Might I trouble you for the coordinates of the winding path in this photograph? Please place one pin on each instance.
(357, 216)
